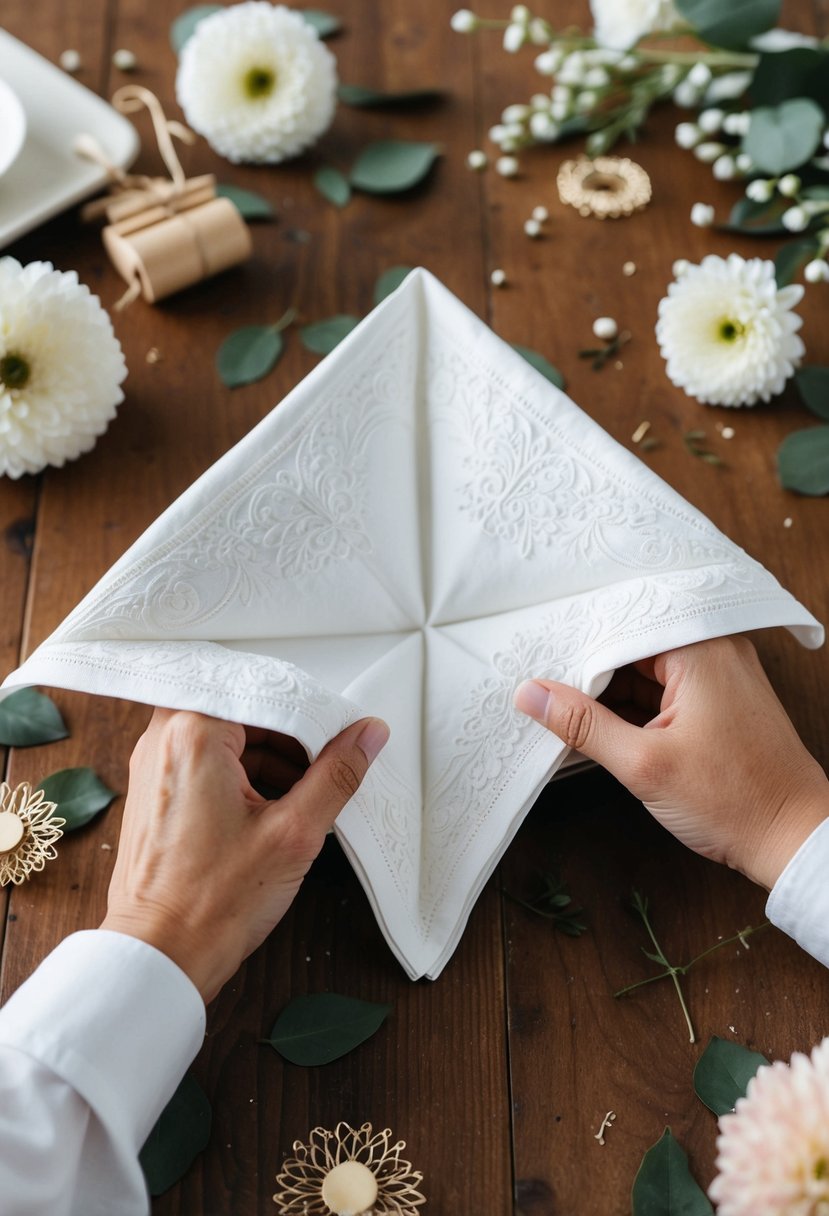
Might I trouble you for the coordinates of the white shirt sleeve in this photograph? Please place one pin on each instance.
(799, 900)
(92, 1048)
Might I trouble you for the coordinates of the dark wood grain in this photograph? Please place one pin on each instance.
(498, 1074)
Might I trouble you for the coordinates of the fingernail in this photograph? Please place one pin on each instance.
(373, 738)
(532, 699)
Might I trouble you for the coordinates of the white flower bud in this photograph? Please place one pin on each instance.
(596, 78)
(540, 101)
(464, 21)
(724, 168)
(560, 92)
(124, 60)
(572, 69)
(628, 63)
(710, 121)
(477, 160)
(539, 32)
(507, 166)
(671, 73)
(743, 162)
(605, 328)
(514, 38)
(515, 114)
(543, 127)
(559, 110)
(679, 267)
(70, 61)
(498, 278)
(586, 101)
(547, 63)
(737, 124)
(498, 133)
(685, 95)
(789, 185)
(509, 144)
(541, 214)
(708, 152)
(702, 215)
(520, 14)
(532, 228)
(760, 190)
(795, 219)
(687, 134)
(700, 76)
(816, 271)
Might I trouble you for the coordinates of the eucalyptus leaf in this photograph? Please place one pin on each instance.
(820, 192)
(732, 24)
(540, 364)
(813, 385)
(369, 99)
(803, 461)
(80, 795)
(664, 1185)
(325, 24)
(389, 281)
(248, 354)
(186, 22)
(783, 137)
(28, 717)
(180, 1134)
(249, 204)
(390, 166)
(323, 336)
(758, 219)
(321, 1027)
(799, 72)
(333, 185)
(723, 1072)
(791, 258)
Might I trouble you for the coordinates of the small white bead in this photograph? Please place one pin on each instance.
(795, 219)
(789, 185)
(463, 21)
(498, 278)
(727, 432)
(532, 228)
(816, 271)
(760, 190)
(628, 269)
(477, 160)
(788, 521)
(70, 61)
(709, 152)
(687, 135)
(724, 168)
(679, 267)
(605, 328)
(541, 214)
(507, 166)
(702, 215)
(700, 76)
(124, 60)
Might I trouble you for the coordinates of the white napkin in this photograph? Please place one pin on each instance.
(421, 524)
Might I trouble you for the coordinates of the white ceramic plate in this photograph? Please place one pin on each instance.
(12, 127)
(46, 176)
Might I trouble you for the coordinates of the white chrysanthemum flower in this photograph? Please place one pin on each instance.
(60, 367)
(727, 333)
(621, 23)
(256, 81)
(773, 1151)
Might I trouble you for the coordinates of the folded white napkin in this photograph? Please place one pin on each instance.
(421, 524)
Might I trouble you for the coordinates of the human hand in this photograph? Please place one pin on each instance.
(206, 866)
(705, 744)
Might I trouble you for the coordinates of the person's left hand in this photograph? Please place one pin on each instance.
(207, 866)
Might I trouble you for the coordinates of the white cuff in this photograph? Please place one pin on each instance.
(799, 900)
(116, 1019)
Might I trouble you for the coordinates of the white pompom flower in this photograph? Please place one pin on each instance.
(727, 334)
(620, 24)
(256, 81)
(60, 367)
(773, 1151)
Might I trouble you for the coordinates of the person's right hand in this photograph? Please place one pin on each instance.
(705, 744)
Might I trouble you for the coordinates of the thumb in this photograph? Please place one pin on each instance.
(337, 773)
(584, 724)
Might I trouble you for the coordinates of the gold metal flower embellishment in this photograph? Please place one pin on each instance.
(348, 1172)
(28, 831)
(608, 187)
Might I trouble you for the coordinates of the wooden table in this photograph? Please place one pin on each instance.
(498, 1074)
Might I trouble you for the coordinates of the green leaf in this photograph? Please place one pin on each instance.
(816, 192)
(813, 385)
(389, 281)
(28, 717)
(181, 1133)
(186, 22)
(325, 24)
(333, 185)
(723, 1072)
(540, 364)
(783, 137)
(323, 336)
(758, 219)
(321, 1027)
(664, 1185)
(367, 99)
(803, 461)
(799, 72)
(248, 354)
(79, 793)
(252, 206)
(791, 258)
(392, 165)
(732, 24)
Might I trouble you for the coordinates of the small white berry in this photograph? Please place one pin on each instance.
(816, 271)
(743, 162)
(795, 219)
(543, 127)
(727, 432)
(124, 60)
(737, 124)
(760, 190)
(788, 521)
(628, 269)
(679, 267)
(724, 168)
(515, 114)
(507, 166)
(463, 21)
(70, 61)
(541, 214)
(710, 121)
(685, 95)
(498, 278)
(477, 160)
(532, 228)
(520, 14)
(789, 185)
(687, 135)
(514, 37)
(700, 76)
(709, 152)
(605, 328)
(497, 133)
(702, 215)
